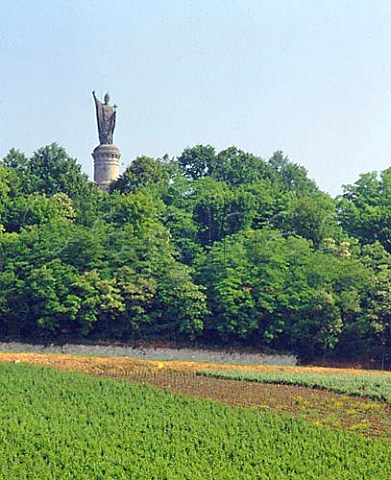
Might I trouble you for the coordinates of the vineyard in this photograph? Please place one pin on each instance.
(61, 424)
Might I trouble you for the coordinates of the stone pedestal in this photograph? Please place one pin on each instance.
(106, 165)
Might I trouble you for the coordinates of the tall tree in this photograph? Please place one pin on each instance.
(142, 172)
(198, 161)
(364, 208)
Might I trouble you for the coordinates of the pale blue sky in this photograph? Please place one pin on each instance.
(311, 78)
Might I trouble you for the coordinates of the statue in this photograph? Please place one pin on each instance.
(106, 155)
(105, 115)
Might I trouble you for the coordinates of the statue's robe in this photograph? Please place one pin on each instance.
(105, 115)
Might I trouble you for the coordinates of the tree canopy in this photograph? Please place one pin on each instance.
(219, 247)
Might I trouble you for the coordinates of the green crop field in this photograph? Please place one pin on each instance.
(62, 425)
(371, 385)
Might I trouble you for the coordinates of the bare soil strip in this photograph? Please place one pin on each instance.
(92, 364)
(366, 417)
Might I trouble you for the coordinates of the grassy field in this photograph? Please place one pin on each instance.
(368, 385)
(65, 425)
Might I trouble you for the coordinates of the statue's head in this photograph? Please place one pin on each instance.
(107, 98)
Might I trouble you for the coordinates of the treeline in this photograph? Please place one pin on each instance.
(223, 248)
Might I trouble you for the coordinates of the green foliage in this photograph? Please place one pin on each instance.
(311, 216)
(143, 172)
(291, 176)
(369, 385)
(237, 167)
(377, 306)
(276, 291)
(364, 208)
(197, 162)
(216, 246)
(50, 170)
(65, 425)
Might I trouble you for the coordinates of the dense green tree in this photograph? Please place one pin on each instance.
(185, 233)
(219, 211)
(19, 170)
(37, 209)
(364, 208)
(375, 331)
(310, 216)
(267, 289)
(237, 167)
(198, 161)
(291, 176)
(142, 172)
(52, 171)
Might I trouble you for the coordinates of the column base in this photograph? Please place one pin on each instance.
(106, 165)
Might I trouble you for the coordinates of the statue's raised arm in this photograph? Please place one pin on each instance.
(105, 115)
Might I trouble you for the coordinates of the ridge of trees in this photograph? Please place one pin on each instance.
(222, 247)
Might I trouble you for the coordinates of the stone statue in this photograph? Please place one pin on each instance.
(105, 115)
(106, 155)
